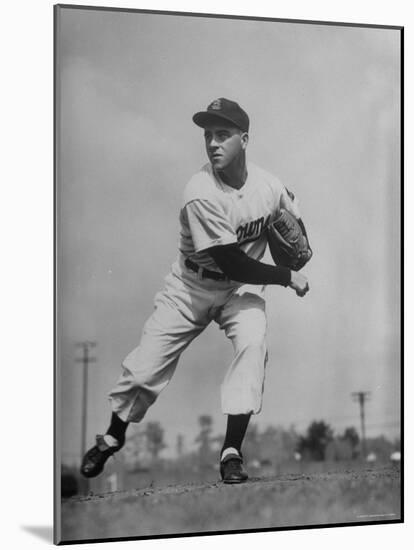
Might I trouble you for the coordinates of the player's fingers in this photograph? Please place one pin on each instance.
(302, 292)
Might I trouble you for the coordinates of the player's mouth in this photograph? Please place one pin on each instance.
(216, 156)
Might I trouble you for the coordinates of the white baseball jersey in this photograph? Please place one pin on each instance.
(214, 213)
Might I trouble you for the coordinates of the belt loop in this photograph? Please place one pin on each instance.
(200, 273)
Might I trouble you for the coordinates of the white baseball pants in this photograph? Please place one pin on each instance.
(183, 309)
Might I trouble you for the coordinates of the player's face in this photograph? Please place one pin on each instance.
(224, 144)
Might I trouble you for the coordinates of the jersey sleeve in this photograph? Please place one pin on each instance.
(289, 202)
(208, 224)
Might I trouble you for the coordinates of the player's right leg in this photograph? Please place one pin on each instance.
(177, 319)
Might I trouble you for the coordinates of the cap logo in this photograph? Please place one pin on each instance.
(215, 106)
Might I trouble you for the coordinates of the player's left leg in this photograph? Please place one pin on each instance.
(243, 319)
(231, 458)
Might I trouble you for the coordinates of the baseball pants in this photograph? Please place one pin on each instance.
(183, 309)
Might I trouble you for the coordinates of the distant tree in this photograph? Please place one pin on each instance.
(314, 443)
(338, 449)
(132, 450)
(290, 442)
(380, 446)
(351, 436)
(205, 440)
(272, 445)
(155, 438)
(251, 443)
(275, 444)
(180, 445)
(205, 421)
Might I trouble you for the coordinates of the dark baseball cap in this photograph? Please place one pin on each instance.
(225, 109)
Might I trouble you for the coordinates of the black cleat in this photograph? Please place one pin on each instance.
(94, 460)
(231, 469)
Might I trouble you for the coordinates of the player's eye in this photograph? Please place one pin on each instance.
(222, 136)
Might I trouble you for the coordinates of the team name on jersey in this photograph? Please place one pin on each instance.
(250, 231)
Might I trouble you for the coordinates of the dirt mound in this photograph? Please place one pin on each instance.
(261, 503)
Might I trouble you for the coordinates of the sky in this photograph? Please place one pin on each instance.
(324, 105)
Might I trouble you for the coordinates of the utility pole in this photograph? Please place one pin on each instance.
(360, 397)
(86, 359)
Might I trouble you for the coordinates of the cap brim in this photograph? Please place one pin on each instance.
(204, 117)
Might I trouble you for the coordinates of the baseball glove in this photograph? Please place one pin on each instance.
(288, 243)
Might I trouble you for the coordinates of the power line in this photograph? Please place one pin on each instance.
(86, 359)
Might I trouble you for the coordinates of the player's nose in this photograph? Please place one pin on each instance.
(213, 143)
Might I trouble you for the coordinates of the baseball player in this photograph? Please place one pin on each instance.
(227, 207)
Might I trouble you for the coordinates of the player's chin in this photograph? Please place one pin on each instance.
(218, 163)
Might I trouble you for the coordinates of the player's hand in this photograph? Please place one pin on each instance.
(299, 283)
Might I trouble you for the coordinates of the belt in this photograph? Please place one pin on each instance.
(205, 273)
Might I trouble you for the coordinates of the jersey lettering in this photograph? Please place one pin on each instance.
(250, 231)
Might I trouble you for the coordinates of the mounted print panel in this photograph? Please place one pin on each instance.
(228, 204)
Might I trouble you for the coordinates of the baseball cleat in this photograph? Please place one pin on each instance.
(94, 460)
(231, 469)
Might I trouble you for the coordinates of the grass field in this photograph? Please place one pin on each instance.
(348, 496)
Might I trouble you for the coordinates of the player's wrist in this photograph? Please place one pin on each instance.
(284, 275)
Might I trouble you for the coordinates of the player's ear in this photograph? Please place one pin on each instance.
(244, 139)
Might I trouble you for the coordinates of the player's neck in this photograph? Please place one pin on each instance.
(235, 175)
